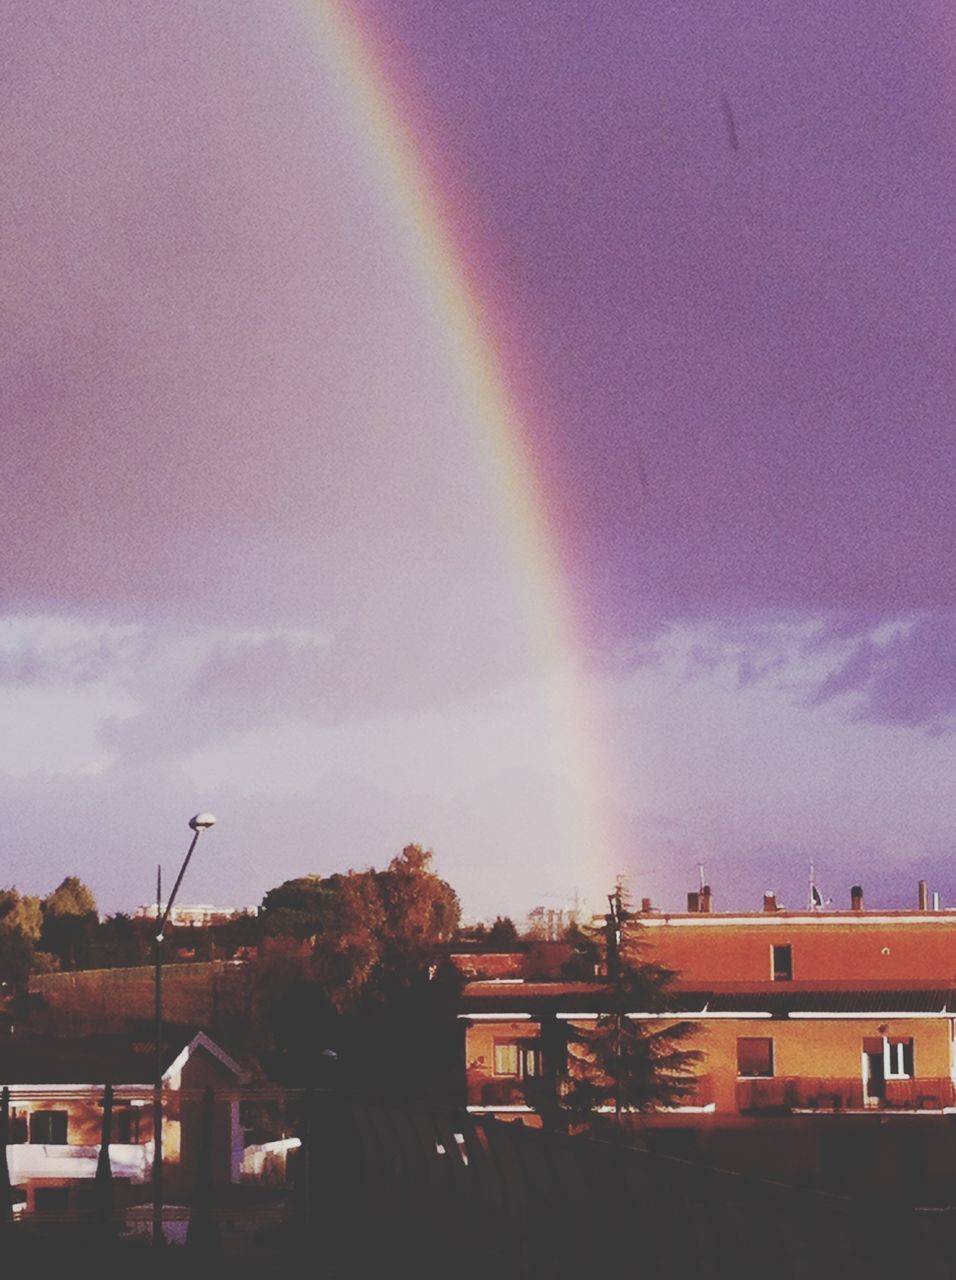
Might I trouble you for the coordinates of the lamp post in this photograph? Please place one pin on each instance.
(201, 822)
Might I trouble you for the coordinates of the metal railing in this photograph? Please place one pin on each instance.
(843, 1093)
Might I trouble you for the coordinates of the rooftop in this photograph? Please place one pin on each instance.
(726, 998)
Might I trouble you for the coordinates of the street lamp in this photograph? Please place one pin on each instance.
(201, 822)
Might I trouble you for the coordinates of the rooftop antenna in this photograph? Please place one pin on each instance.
(815, 899)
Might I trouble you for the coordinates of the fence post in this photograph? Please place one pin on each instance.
(203, 1235)
(104, 1170)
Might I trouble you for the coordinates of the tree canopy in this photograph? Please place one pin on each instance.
(70, 922)
(503, 933)
(71, 897)
(351, 963)
(21, 921)
(21, 912)
(367, 930)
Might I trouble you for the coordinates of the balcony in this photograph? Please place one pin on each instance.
(698, 1095)
(839, 1093)
(771, 1094)
(499, 1093)
(836, 1093)
(920, 1095)
(29, 1161)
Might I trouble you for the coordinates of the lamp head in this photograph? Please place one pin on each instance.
(202, 821)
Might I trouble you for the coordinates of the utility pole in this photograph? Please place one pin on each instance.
(614, 937)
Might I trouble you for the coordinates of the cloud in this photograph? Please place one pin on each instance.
(752, 649)
(198, 687)
(194, 686)
(46, 651)
(906, 679)
(879, 670)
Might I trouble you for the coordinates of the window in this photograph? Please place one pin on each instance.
(18, 1126)
(886, 1058)
(781, 962)
(126, 1125)
(519, 1058)
(506, 1058)
(755, 1056)
(51, 1199)
(48, 1127)
(898, 1058)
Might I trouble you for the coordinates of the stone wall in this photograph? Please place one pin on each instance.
(106, 1000)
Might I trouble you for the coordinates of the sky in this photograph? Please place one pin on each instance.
(688, 597)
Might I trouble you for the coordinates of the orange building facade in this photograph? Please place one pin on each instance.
(886, 948)
(827, 1042)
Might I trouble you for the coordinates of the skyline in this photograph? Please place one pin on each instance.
(260, 552)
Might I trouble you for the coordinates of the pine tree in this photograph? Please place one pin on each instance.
(621, 1065)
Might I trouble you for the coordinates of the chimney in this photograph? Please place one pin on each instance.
(923, 896)
(693, 902)
(935, 900)
(856, 898)
(706, 899)
(646, 905)
(769, 901)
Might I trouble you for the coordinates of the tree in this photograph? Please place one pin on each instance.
(502, 934)
(69, 922)
(296, 908)
(22, 912)
(369, 928)
(21, 921)
(294, 1021)
(348, 950)
(119, 942)
(350, 962)
(420, 908)
(71, 897)
(241, 932)
(618, 1065)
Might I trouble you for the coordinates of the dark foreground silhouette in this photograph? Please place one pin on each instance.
(429, 1192)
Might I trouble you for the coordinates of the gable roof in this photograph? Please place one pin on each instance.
(201, 1041)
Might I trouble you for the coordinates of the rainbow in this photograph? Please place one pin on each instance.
(376, 100)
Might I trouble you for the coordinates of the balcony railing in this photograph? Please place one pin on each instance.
(841, 1093)
(510, 1091)
(28, 1161)
(920, 1095)
(498, 1093)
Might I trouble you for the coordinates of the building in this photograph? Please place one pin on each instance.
(827, 1040)
(56, 1103)
(193, 915)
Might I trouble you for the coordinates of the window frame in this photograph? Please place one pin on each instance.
(52, 1119)
(771, 1058)
(126, 1126)
(900, 1048)
(527, 1059)
(781, 973)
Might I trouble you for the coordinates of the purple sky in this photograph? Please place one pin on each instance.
(254, 556)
